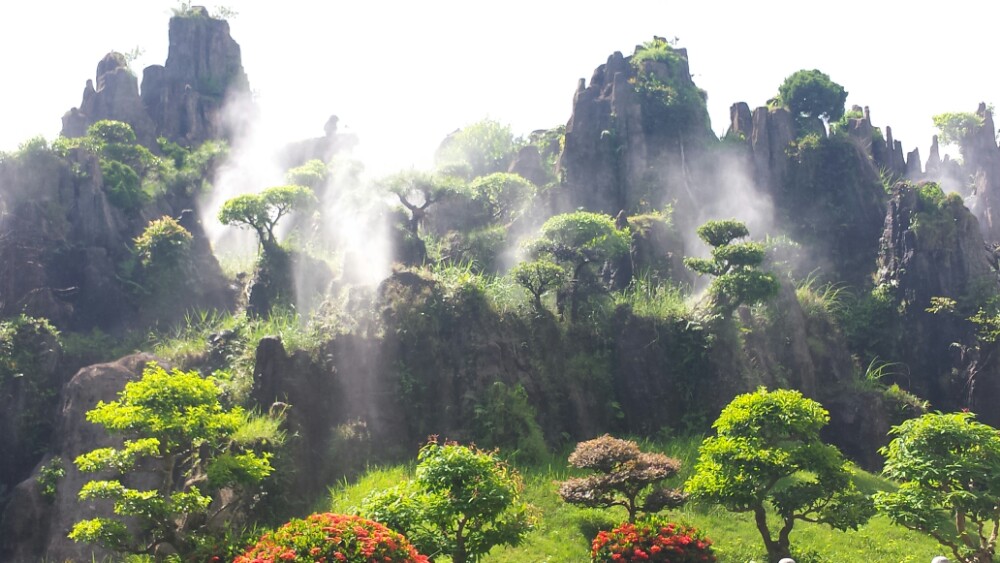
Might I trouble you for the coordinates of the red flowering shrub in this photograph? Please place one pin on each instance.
(652, 541)
(332, 538)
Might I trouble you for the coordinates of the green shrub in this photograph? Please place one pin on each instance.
(505, 419)
(163, 244)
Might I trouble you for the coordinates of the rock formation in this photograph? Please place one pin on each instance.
(34, 527)
(182, 100)
(932, 247)
(634, 133)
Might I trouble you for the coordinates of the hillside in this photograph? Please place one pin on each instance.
(525, 294)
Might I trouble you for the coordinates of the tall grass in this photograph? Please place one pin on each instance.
(650, 299)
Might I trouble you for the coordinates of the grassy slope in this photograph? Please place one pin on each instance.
(563, 531)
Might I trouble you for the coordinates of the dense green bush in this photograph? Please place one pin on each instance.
(163, 244)
(812, 93)
(463, 502)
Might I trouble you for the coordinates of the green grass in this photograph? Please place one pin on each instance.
(563, 532)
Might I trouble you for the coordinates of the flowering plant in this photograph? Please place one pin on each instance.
(651, 541)
(332, 538)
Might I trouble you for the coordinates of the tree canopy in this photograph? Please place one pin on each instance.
(767, 453)
(261, 212)
(623, 473)
(735, 266)
(812, 93)
(463, 502)
(955, 127)
(948, 466)
(175, 429)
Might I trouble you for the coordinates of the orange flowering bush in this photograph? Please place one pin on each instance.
(652, 541)
(332, 538)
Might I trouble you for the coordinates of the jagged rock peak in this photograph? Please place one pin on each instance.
(633, 127)
(181, 100)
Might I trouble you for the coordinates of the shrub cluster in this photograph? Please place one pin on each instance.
(332, 537)
(651, 541)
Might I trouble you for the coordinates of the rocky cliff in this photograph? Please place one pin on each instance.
(635, 131)
(182, 100)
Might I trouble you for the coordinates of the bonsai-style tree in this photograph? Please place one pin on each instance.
(948, 467)
(812, 93)
(418, 191)
(484, 146)
(261, 212)
(462, 503)
(767, 455)
(177, 433)
(955, 127)
(623, 474)
(735, 265)
(581, 242)
(539, 277)
(502, 195)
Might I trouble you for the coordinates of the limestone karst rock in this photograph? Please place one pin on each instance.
(182, 100)
(49, 520)
(630, 142)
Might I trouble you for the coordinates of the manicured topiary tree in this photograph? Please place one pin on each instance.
(623, 474)
(261, 212)
(767, 456)
(735, 265)
(332, 538)
(948, 466)
(462, 503)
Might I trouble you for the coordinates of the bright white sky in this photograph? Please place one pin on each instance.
(403, 74)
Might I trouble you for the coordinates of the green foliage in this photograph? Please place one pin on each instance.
(949, 469)
(650, 300)
(539, 277)
(934, 222)
(122, 185)
(463, 503)
(658, 49)
(581, 242)
(332, 537)
(503, 196)
(735, 266)
(189, 171)
(163, 244)
(505, 419)
(176, 429)
(111, 132)
(956, 127)
(417, 191)
(485, 146)
(623, 473)
(49, 476)
(312, 174)
(812, 93)
(767, 452)
(261, 212)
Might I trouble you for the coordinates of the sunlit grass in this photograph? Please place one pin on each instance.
(563, 532)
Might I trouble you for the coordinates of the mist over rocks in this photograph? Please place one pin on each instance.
(181, 100)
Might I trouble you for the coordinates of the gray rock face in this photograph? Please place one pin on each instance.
(981, 162)
(935, 249)
(116, 97)
(627, 143)
(185, 97)
(182, 100)
(50, 520)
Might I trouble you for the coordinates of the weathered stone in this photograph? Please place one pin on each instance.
(527, 163)
(116, 97)
(53, 519)
(626, 145)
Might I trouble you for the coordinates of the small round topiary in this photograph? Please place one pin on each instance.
(332, 538)
(653, 540)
